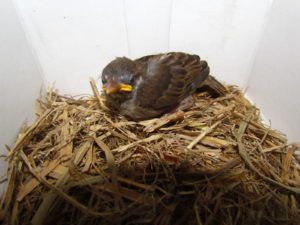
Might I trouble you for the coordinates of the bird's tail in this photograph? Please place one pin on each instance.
(213, 86)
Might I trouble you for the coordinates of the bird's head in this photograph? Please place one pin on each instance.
(118, 77)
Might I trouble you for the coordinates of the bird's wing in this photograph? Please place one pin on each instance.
(169, 78)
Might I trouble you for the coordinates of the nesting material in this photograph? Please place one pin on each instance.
(217, 163)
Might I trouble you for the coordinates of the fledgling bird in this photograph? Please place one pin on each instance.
(153, 85)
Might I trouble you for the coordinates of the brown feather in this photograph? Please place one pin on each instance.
(176, 76)
(161, 82)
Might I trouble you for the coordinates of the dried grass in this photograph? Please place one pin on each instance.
(216, 163)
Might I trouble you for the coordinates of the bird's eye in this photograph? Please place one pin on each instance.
(103, 80)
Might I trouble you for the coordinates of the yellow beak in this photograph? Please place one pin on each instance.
(114, 87)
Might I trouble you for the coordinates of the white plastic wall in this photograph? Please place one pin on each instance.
(275, 77)
(20, 78)
(75, 39)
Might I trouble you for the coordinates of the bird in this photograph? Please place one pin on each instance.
(154, 85)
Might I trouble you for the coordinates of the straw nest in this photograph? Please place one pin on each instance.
(216, 163)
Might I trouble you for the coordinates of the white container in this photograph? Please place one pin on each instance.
(254, 44)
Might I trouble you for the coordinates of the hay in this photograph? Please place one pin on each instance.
(216, 163)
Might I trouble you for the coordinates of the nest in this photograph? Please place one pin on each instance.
(217, 163)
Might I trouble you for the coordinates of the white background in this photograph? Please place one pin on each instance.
(254, 44)
(75, 39)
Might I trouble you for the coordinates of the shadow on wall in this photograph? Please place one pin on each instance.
(20, 78)
(274, 80)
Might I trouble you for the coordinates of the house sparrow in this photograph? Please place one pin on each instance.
(153, 85)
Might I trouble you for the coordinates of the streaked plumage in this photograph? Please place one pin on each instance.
(159, 83)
